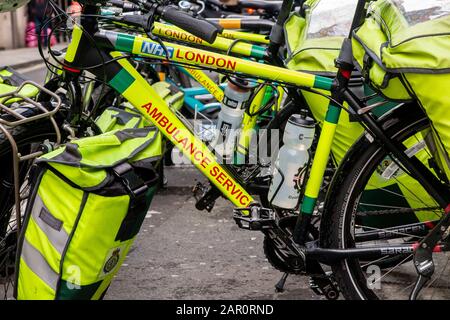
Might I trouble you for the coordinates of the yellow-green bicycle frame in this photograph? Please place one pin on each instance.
(247, 47)
(122, 76)
(172, 32)
(222, 44)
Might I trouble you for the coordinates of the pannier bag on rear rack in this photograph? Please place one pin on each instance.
(10, 80)
(314, 39)
(127, 116)
(87, 204)
(406, 54)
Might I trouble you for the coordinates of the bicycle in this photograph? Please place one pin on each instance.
(121, 76)
(322, 254)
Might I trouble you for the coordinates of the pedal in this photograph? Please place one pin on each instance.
(324, 285)
(265, 220)
(254, 218)
(205, 196)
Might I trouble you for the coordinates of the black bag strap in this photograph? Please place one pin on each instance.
(137, 190)
(367, 64)
(14, 79)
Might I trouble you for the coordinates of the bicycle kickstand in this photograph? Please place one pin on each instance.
(279, 287)
(420, 282)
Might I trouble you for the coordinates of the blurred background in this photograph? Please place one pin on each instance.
(18, 28)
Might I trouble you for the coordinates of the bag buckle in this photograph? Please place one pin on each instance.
(132, 182)
(137, 207)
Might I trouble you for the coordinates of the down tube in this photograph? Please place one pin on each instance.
(130, 84)
(205, 81)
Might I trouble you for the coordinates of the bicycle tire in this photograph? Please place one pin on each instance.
(343, 201)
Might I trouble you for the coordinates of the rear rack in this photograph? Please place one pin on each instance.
(18, 119)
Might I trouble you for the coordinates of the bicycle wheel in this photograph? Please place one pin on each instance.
(27, 137)
(374, 195)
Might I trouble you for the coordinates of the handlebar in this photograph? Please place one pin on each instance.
(277, 33)
(197, 26)
(268, 6)
(245, 23)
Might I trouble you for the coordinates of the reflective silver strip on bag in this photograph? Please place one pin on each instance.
(51, 226)
(37, 263)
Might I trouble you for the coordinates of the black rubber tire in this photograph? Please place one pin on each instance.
(349, 181)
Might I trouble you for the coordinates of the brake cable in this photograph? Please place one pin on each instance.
(273, 100)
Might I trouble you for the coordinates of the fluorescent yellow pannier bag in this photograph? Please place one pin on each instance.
(403, 49)
(312, 45)
(128, 116)
(10, 80)
(88, 201)
(313, 42)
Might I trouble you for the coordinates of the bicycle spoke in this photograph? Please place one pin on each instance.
(386, 190)
(374, 261)
(381, 206)
(394, 267)
(411, 192)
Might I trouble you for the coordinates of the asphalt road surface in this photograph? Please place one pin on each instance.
(183, 253)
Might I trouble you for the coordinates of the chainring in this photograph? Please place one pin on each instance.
(282, 261)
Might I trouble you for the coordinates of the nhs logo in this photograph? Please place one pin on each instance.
(156, 49)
